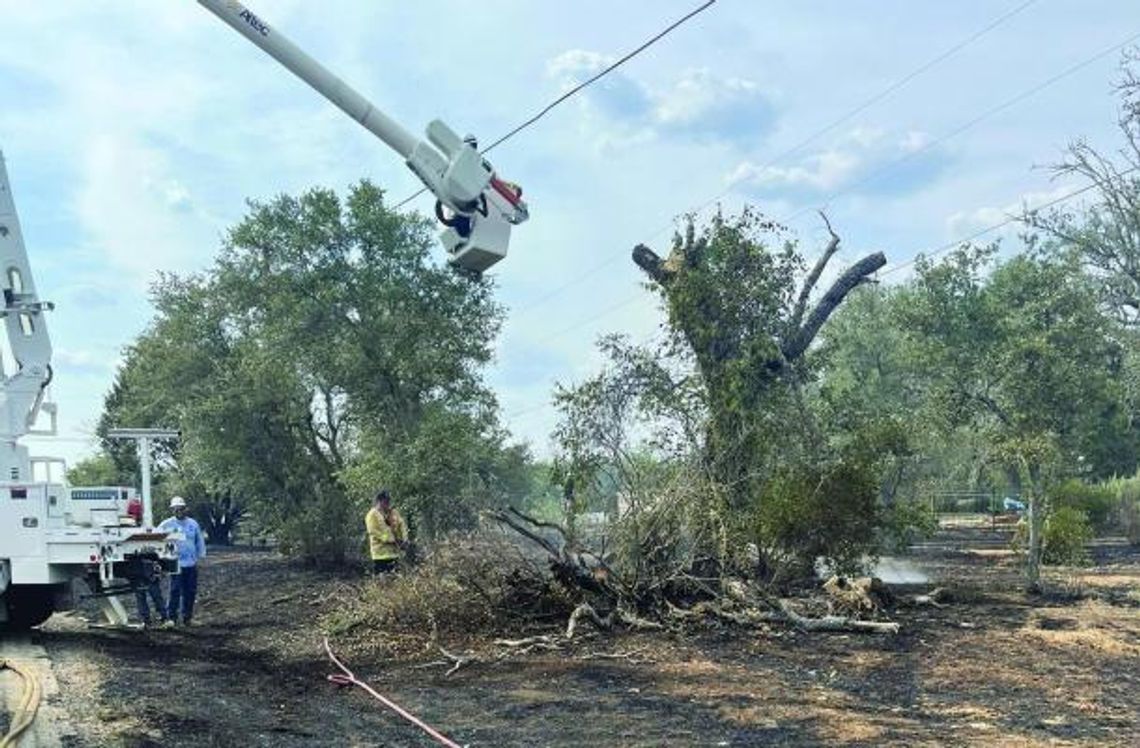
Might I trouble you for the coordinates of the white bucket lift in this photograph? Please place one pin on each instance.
(483, 207)
(52, 534)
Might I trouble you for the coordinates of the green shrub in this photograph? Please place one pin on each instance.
(907, 522)
(1098, 502)
(806, 513)
(324, 532)
(1067, 530)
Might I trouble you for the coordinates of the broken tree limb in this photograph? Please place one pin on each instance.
(800, 339)
(458, 660)
(836, 623)
(587, 610)
(636, 622)
(570, 567)
(649, 261)
(529, 534)
(747, 616)
(631, 656)
(933, 598)
(539, 523)
(813, 277)
(530, 641)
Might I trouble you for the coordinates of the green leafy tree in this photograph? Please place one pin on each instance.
(323, 354)
(734, 304)
(1023, 355)
(98, 470)
(720, 408)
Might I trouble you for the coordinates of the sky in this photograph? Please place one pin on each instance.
(134, 131)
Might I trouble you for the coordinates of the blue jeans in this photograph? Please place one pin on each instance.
(155, 593)
(183, 590)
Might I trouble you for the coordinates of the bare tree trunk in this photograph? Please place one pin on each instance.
(1033, 566)
(1036, 532)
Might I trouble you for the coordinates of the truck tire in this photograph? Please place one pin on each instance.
(27, 606)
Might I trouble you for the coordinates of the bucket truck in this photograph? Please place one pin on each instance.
(477, 207)
(52, 534)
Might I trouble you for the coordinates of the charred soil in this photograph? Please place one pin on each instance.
(989, 665)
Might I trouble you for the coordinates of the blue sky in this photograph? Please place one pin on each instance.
(134, 131)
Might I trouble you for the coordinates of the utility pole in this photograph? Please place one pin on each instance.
(144, 438)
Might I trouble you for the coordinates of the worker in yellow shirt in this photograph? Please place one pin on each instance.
(387, 533)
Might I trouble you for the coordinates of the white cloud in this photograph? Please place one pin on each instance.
(870, 158)
(698, 105)
(966, 223)
(134, 211)
(83, 361)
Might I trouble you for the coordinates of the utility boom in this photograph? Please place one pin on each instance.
(483, 207)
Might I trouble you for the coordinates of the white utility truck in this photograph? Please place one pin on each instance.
(52, 534)
(477, 208)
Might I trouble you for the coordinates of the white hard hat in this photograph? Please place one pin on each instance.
(177, 502)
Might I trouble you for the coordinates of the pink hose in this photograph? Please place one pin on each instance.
(348, 679)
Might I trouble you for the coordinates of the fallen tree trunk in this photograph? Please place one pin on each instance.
(836, 623)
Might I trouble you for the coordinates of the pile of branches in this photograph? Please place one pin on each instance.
(677, 593)
(464, 589)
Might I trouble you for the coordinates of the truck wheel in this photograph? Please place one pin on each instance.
(28, 606)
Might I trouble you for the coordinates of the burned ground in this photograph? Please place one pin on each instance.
(990, 666)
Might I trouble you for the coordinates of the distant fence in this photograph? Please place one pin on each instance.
(968, 502)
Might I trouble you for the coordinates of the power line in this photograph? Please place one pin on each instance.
(894, 268)
(877, 173)
(597, 76)
(887, 167)
(982, 232)
(876, 98)
(905, 79)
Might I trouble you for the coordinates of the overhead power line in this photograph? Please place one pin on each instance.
(972, 122)
(885, 168)
(989, 229)
(892, 269)
(874, 99)
(576, 89)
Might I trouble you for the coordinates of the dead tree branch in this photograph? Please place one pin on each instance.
(513, 523)
(652, 264)
(813, 277)
(458, 660)
(800, 339)
(836, 623)
(587, 610)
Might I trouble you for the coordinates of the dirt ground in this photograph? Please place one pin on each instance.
(992, 666)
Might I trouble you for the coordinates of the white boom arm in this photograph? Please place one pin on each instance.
(484, 207)
(21, 390)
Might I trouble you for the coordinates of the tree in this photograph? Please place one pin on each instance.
(1105, 236)
(736, 308)
(97, 470)
(731, 297)
(323, 336)
(870, 384)
(1023, 355)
